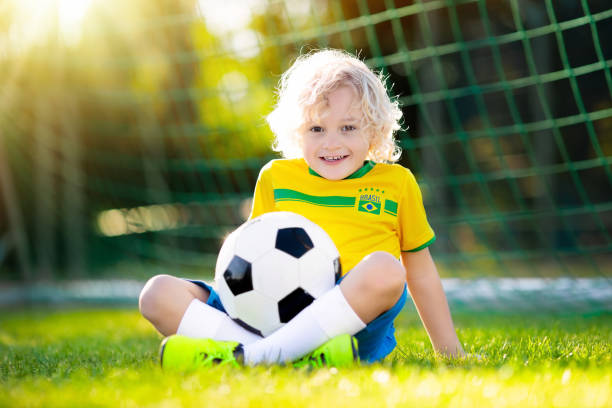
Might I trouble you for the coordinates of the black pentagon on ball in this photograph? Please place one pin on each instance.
(293, 241)
(238, 276)
(293, 303)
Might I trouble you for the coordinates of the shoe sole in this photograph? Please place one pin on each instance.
(162, 347)
(354, 348)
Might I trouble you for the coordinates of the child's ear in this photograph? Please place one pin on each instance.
(374, 142)
(371, 138)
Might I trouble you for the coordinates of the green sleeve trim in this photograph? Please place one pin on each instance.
(425, 245)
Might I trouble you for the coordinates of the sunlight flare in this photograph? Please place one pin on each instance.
(36, 22)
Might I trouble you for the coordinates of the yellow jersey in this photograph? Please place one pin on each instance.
(377, 208)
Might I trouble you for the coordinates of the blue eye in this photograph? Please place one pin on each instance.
(348, 128)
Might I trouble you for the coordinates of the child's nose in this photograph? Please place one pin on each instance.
(332, 141)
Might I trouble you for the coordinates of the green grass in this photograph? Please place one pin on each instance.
(108, 357)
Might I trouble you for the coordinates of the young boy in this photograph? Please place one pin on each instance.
(334, 124)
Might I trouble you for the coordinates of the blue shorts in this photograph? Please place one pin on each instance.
(376, 340)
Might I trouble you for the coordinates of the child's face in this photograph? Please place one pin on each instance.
(334, 146)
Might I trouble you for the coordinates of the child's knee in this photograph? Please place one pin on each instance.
(385, 274)
(151, 294)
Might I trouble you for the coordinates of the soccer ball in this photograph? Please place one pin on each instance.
(272, 267)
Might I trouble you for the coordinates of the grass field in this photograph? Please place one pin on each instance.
(108, 357)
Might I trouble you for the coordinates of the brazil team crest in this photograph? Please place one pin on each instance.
(369, 201)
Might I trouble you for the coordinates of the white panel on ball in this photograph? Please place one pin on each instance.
(316, 272)
(258, 311)
(284, 219)
(275, 274)
(255, 238)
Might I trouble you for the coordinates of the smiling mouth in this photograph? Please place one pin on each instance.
(333, 158)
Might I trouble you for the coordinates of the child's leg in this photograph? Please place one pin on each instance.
(175, 305)
(164, 300)
(374, 285)
(371, 288)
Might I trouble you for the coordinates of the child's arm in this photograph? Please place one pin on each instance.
(428, 295)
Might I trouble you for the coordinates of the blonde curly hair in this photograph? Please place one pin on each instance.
(303, 89)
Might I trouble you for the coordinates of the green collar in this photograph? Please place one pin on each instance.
(367, 166)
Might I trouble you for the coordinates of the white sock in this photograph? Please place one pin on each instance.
(327, 317)
(203, 321)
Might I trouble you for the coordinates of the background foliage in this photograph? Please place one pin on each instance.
(131, 144)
